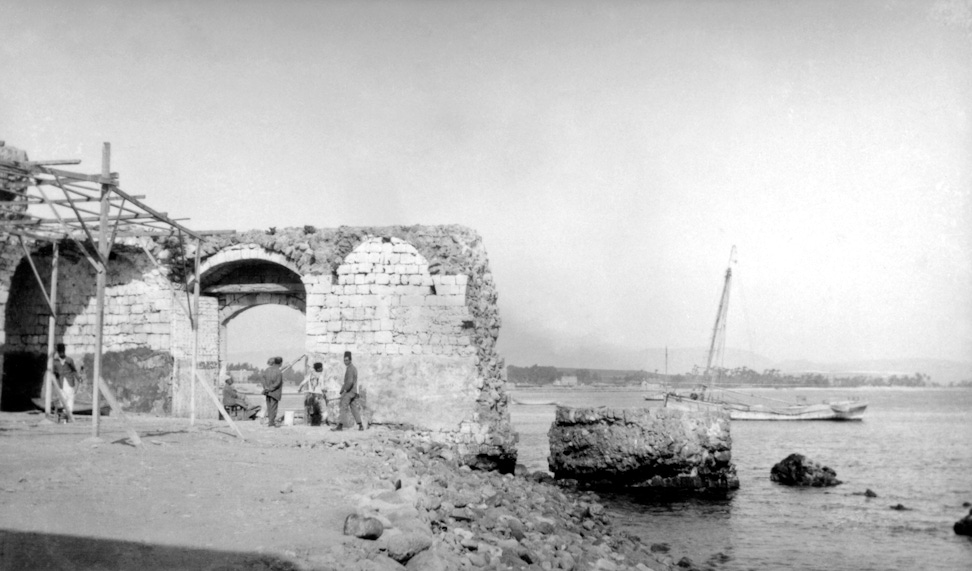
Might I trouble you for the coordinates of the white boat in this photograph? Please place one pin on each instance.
(533, 402)
(741, 406)
(774, 410)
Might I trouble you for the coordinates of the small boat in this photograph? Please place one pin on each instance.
(80, 407)
(533, 402)
(740, 406)
(775, 410)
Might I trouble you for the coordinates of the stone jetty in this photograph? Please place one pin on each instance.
(656, 448)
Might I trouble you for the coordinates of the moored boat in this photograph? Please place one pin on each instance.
(775, 410)
(742, 407)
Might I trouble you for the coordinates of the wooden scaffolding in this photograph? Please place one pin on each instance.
(48, 204)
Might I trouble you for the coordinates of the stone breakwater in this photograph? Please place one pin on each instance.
(651, 448)
(440, 515)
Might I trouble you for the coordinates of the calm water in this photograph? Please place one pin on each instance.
(914, 447)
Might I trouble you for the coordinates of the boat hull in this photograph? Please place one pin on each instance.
(840, 410)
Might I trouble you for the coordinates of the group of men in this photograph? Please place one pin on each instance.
(323, 399)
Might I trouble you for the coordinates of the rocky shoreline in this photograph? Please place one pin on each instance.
(438, 514)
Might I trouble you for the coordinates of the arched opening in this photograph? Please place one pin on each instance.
(261, 310)
(26, 319)
(259, 332)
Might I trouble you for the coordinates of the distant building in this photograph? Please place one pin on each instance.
(566, 381)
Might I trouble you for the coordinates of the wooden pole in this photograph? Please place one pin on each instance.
(113, 402)
(212, 394)
(195, 339)
(102, 278)
(51, 330)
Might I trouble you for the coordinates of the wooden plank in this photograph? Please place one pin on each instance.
(40, 282)
(51, 330)
(219, 405)
(54, 162)
(255, 288)
(100, 293)
(103, 178)
(117, 409)
(161, 216)
(195, 338)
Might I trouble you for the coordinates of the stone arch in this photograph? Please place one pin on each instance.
(245, 276)
(243, 253)
(232, 305)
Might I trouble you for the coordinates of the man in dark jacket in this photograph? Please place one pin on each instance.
(349, 394)
(273, 388)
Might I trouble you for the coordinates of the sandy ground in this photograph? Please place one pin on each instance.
(192, 497)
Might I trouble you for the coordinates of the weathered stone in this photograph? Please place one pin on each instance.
(404, 546)
(798, 470)
(658, 448)
(363, 527)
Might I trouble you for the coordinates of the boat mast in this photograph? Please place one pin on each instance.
(718, 342)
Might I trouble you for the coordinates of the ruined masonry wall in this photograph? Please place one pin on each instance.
(386, 302)
(138, 301)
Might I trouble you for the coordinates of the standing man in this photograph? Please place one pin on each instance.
(66, 376)
(273, 389)
(315, 395)
(349, 394)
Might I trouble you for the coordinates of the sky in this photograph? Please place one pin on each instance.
(610, 154)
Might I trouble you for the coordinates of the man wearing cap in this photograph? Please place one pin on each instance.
(273, 389)
(349, 394)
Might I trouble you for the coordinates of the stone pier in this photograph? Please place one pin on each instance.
(656, 448)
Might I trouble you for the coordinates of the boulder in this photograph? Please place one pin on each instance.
(798, 470)
(964, 525)
(363, 527)
(405, 546)
(665, 449)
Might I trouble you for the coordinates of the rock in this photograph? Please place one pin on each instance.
(798, 470)
(657, 448)
(900, 508)
(660, 548)
(870, 493)
(363, 527)
(403, 547)
(966, 504)
(686, 563)
(964, 525)
(430, 560)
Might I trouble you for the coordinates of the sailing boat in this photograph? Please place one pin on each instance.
(707, 397)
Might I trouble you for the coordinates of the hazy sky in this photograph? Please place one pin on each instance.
(609, 153)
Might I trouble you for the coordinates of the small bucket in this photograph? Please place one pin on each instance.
(288, 418)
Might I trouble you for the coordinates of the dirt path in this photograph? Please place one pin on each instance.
(191, 498)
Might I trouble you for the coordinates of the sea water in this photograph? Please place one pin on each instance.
(913, 447)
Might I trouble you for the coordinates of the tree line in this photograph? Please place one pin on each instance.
(739, 376)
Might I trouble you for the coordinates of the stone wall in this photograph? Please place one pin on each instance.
(658, 448)
(415, 304)
(417, 308)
